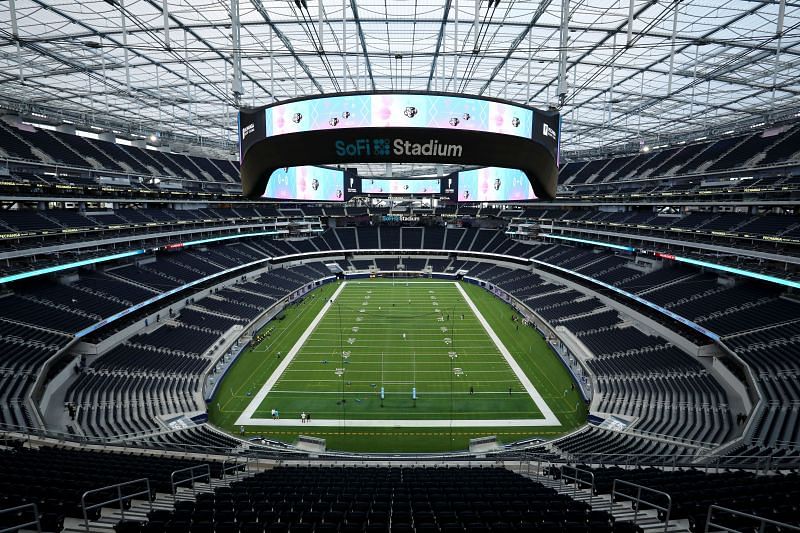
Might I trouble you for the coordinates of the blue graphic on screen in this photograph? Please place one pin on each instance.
(494, 184)
(399, 110)
(306, 183)
(386, 186)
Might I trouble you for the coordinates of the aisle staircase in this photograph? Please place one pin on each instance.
(623, 510)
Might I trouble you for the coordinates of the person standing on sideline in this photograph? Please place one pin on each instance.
(509, 391)
(241, 431)
(471, 389)
(303, 417)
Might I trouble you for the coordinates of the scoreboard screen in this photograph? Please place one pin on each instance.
(493, 184)
(306, 183)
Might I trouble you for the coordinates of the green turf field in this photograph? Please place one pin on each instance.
(398, 336)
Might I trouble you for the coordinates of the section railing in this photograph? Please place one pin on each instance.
(7, 527)
(193, 473)
(762, 523)
(638, 499)
(236, 467)
(121, 497)
(580, 478)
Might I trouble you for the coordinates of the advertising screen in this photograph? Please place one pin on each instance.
(383, 110)
(387, 186)
(306, 183)
(396, 127)
(493, 184)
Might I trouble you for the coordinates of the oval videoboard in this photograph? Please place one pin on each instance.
(393, 127)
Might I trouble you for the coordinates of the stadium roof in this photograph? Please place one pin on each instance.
(679, 68)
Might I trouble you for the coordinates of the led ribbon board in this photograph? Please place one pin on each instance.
(492, 184)
(389, 127)
(379, 186)
(306, 183)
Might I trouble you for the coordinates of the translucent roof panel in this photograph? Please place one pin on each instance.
(654, 73)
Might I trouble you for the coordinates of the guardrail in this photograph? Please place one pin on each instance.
(278, 451)
(577, 480)
(762, 522)
(16, 527)
(235, 464)
(205, 470)
(638, 500)
(121, 498)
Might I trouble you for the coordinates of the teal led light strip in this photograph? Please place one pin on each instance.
(740, 272)
(585, 241)
(683, 320)
(67, 266)
(696, 262)
(84, 262)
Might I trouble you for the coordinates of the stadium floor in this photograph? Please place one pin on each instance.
(398, 336)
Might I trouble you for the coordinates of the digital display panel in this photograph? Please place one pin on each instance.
(493, 184)
(306, 183)
(382, 110)
(400, 127)
(410, 186)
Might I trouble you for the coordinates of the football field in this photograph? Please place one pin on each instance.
(382, 358)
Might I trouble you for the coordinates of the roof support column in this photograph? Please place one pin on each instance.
(641, 99)
(165, 12)
(344, 44)
(105, 79)
(271, 67)
(630, 23)
(694, 79)
(226, 106)
(321, 17)
(530, 60)
(158, 93)
(123, 24)
(779, 33)
(476, 26)
(672, 46)
(236, 37)
(15, 33)
(562, 59)
(444, 67)
(455, 45)
(188, 80)
(611, 82)
(505, 81)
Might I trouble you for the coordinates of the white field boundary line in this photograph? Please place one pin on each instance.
(246, 417)
(549, 416)
(386, 281)
(549, 419)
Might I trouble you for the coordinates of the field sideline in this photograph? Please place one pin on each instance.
(475, 371)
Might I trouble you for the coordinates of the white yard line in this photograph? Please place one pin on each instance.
(250, 410)
(548, 414)
(394, 423)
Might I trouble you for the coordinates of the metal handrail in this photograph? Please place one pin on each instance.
(232, 464)
(763, 522)
(638, 499)
(192, 477)
(579, 481)
(17, 527)
(121, 498)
